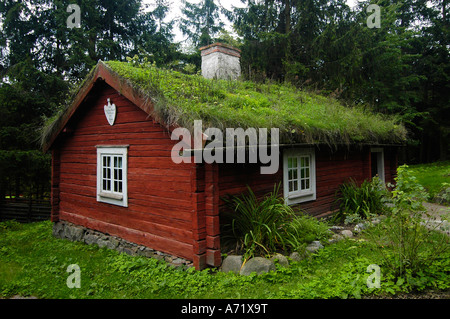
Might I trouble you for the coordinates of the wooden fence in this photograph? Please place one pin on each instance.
(25, 210)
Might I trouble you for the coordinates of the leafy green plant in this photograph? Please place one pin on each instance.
(262, 227)
(404, 242)
(257, 225)
(360, 202)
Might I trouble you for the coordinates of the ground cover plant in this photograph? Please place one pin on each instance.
(32, 262)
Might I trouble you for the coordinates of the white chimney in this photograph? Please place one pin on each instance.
(220, 61)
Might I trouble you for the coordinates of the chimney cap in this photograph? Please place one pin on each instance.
(220, 47)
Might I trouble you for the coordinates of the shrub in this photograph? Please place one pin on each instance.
(262, 227)
(360, 202)
(404, 243)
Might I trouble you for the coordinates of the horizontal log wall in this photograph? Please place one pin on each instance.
(332, 169)
(160, 206)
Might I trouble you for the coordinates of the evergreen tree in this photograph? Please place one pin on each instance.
(200, 22)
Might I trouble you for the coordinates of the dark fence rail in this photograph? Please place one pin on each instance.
(25, 210)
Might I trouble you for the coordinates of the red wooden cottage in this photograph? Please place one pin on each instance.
(112, 169)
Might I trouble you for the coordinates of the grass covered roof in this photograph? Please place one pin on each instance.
(302, 117)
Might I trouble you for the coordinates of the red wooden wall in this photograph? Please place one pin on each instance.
(160, 203)
(332, 169)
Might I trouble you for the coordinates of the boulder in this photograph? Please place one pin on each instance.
(258, 265)
(295, 256)
(314, 246)
(347, 233)
(232, 263)
(282, 260)
(335, 238)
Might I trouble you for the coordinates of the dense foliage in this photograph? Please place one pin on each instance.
(261, 227)
(360, 201)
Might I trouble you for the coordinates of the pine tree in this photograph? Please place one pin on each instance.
(200, 22)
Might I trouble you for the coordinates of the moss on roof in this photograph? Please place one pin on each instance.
(301, 117)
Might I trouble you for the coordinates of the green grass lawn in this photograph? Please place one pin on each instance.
(431, 176)
(33, 262)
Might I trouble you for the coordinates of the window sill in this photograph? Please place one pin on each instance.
(299, 195)
(111, 195)
(300, 198)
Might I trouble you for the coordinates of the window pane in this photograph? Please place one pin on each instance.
(303, 184)
(295, 185)
(307, 172)
(120, 187)
(290, 174)
(302, 173)
(119, 162)
(291, 186)
(120, 174)
(307, 183)
(307, 161)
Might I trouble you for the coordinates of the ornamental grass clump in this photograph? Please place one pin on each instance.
(262, 227)
(360, 202)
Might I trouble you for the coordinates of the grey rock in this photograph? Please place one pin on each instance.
(58, 229)
(359, 227)
(314, 246)
(282, 260)
(295, 256)
(335, 238)
(178, 262)
(347, 233)
(376, 221)
(90, 238)
(77, 234)
(232, 263)
(336, 228)
(258, 265)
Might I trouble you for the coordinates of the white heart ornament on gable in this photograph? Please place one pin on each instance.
(110, 112)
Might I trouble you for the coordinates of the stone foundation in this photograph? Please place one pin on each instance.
(72, 232)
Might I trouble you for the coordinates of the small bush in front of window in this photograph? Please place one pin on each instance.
(360, 202)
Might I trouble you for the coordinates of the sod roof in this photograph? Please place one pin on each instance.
(177, 99)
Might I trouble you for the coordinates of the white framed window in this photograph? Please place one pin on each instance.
(299, 175)
(112, 163)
